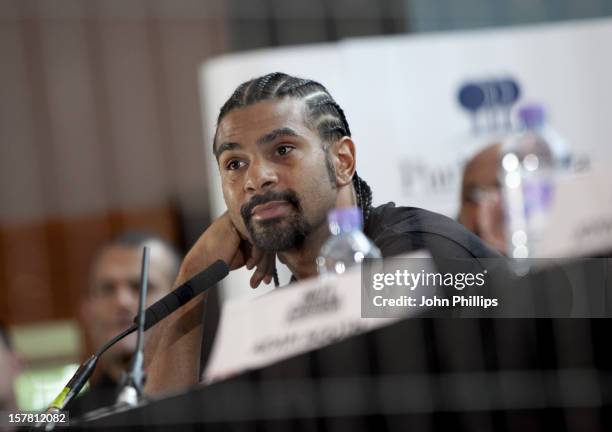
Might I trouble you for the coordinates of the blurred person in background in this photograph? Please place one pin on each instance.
(111, 303)
(481, 207)
(10, 366)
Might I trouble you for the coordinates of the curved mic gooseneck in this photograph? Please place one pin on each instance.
(133, 383)
(154, 313)
(83, 373)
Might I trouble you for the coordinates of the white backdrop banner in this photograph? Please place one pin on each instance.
(400, 98)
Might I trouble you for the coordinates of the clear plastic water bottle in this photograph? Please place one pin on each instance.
(348, 245)
(530, 160)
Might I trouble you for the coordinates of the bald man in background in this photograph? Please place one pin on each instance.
(481, 205)
(111, 302)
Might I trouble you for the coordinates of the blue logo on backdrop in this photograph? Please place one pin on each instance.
(489, 102)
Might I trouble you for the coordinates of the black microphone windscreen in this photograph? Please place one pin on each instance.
(194, 286)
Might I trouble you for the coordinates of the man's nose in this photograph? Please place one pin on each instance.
(260, 175)
(125, 298)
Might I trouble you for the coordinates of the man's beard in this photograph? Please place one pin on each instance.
(280, 233)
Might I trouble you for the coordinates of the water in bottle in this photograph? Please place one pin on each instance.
(348, 245)
(530, 160)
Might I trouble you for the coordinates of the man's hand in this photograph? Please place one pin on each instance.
(223, 241)
(172, 353)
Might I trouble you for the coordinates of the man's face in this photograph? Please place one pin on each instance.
(277, 181)
(10, 367)
(112, 301)
(481, 209)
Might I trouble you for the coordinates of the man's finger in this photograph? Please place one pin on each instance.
(257, 277)
(264, 271)
(256, 256)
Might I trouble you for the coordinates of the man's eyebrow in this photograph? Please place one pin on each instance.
(265, 139)
(276, 133)
(225, 147)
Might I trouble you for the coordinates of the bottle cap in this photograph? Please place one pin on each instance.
(532, 116)
(344, 219)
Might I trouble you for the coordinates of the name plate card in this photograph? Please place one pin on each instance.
(286, 322)
(580, 220)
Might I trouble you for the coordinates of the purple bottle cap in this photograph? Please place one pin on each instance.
(344, 219)
(532, 116)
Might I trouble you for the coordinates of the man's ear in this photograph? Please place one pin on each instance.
(84, 309)
(468, 216)
(343, 155)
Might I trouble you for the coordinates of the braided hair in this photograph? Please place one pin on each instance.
(324, 114)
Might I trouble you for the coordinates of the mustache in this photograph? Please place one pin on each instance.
(288, 195)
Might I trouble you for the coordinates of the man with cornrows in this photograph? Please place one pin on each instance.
(286, 158)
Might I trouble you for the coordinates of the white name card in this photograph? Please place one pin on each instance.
(287, 322)
(580, 221)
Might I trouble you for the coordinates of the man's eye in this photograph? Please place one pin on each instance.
(135, 287)
(234, 165)
(104, 289)
(284, 150)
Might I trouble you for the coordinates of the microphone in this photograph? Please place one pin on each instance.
(154, 313)
(194, 286)
(133, 383)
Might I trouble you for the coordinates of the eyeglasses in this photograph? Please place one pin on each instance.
(482, 194)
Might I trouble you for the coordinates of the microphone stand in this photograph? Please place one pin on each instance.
(133, 383)
(132, 388)
(155, 313)
(80, 377)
